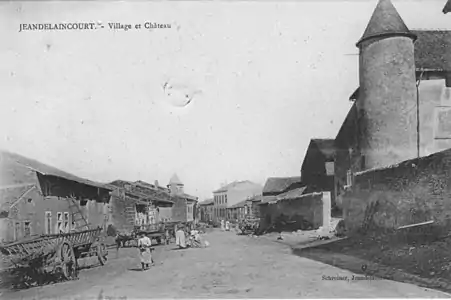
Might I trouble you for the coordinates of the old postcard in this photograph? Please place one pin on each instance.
(225, 149)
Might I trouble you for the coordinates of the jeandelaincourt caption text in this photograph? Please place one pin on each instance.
(84, 26)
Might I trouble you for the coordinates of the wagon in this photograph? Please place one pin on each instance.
(53, 255)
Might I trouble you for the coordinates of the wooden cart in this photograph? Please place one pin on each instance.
(153, 231)
(53, 256)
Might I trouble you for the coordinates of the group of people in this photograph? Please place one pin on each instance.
(225, 225)
(185, 238)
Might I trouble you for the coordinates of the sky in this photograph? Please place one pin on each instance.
(232, 91)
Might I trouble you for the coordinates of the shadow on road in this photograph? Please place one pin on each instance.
(173, 249)
(135, 269)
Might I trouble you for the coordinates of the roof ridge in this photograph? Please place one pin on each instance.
(431, 29)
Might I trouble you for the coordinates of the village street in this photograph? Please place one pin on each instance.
(233, 266)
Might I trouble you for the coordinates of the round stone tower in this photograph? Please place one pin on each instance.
(387, 97)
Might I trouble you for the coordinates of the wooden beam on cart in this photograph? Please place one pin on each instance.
(415, 225)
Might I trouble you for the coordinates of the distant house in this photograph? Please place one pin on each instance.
(447, 7)
(136, 204)
(245, 209)
(39, 199)
(274, 187)
(206, 210)
(231, 194)
(277, 185)
(317, 171)
(236, 211)
(184, 204)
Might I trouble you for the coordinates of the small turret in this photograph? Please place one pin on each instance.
(387, 98)
(175, 185)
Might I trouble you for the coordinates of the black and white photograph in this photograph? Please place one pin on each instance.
(295, 149)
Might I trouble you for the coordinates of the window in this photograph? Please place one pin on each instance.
(66, 222)
(48, 222)
(330, 168)
(225, 198)
(349, 178)
(26, 229)
(443, 123)
(59, 223)
(17, 231)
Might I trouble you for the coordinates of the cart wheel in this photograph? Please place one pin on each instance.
(68, 261)
(102, 253)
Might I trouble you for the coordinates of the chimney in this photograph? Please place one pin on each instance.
(156, 184)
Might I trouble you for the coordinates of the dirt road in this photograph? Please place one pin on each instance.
(232, 267)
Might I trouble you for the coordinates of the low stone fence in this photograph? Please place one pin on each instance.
(411, 192)
(303, 212)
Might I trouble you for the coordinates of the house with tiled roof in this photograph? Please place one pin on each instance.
(206, 210)
(137, 204)
(402, 107)
(36, 199)
(246, 209)
(231, 194)
(277, 185)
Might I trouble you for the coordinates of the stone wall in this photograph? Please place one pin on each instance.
(308, 207)
(179, 209)
(165, 214)
(413, 191)
(435, 131)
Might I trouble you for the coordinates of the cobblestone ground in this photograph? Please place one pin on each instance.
(232, 267)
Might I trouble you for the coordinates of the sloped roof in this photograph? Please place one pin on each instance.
(326, 146)
(279, 184)
(175, 180)
(239, 204)
(268, 199)
(14, 167)
(206, 202)
(231, 186)
(189, 197)
(293, 194)
(144, 192)
(152, 186)
(121, 183)
(384, 21)
(256, 198)
(432, 50)
(447, 7)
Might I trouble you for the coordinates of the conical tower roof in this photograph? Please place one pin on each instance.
(175, 180)
(385, 21)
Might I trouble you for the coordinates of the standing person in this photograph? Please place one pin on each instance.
(180, 238)
(227, 225)
(222, 225)
(145, 248)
